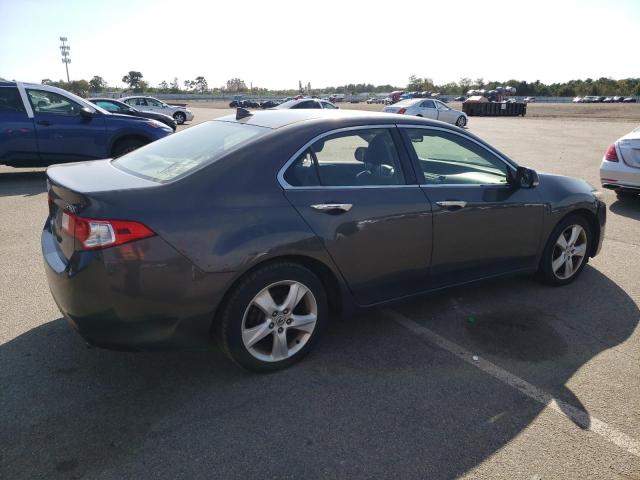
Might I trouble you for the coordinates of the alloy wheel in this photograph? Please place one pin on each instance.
(461, 122)
(569, 252)
(279, 321)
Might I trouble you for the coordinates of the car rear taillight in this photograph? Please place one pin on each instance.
(401, 111)
(96, 234)
(611, 155)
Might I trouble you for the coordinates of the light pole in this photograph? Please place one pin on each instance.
(64, 50)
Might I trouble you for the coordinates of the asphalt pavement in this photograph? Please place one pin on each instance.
(503, 379)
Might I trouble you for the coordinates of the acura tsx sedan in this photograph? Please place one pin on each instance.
(256, 229)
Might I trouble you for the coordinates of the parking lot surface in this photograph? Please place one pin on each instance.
(504, 379)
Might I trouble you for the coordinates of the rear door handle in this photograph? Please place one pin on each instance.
(452, 204)
(46, 123)
(332, 207)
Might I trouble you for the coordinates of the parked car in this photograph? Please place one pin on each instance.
(618, 99)
(269, 104)
(306, 103)
(429, 108)
(529, 99)
(115, 106)
(64, 128)
(150, 104)
(578, 100)
(629, 100)
(460, 98)
(154, 248)
(620, 167)
(607, 100)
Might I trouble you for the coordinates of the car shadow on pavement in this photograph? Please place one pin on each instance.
(373, 400)
(23, 183)
(627, 207)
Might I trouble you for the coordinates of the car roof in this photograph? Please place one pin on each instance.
(275, 119)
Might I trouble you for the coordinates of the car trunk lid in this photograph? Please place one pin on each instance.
(629, 146)
(74, 189)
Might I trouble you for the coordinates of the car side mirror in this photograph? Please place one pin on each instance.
(526, 178)
(86, 112)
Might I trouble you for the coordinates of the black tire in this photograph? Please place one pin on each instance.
(625, 194)
(180, 118)
(545, 270)
(127, 145)
(229, 323)
(461, 122)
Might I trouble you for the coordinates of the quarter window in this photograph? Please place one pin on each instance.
(362, 158)
(428, 104)
(450, 159)
(10, 100)
(52, 103)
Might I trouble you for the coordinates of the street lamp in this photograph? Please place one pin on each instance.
(64, 50)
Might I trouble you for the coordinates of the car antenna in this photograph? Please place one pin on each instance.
(242, 113)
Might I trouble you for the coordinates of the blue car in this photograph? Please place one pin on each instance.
(41, 125)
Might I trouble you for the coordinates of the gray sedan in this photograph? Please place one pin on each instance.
(429, 108)
(258, 229)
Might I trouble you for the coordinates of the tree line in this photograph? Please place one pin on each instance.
(135, 81)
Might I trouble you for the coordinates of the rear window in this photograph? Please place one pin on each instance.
(10, 100)
(181, 153)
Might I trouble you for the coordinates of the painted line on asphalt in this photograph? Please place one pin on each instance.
(576, 415)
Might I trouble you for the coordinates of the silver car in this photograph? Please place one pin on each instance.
(620, 167)
(150, 104)
(428, 108)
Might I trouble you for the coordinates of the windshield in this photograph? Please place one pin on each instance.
(181, 153)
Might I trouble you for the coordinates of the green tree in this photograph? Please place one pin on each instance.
(163, 86)
(134, 80)
(236, 85)
(175, 86)
(200, 84)
(97, 84)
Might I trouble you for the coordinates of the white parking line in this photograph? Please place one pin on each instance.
(576, 415)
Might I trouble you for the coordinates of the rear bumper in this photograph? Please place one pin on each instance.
(619, 175)
(138, 296)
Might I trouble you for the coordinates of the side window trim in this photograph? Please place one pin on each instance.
(25, 99)
(307, 146)
(511, 166)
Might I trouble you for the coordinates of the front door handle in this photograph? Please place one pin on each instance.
(46, 123)
(452, 204)
(332, 207)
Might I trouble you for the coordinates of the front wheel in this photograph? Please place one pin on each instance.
(461, 121)
(273, 317)
(126, 145)
(180, 118)
(566, 252)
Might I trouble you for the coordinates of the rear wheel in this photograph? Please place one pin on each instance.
(566, 252)
(461, 121)
(624, 194)
(127, 145)
(273, 317)
(180, 118)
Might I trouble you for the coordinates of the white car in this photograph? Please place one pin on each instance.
(150, 104)
(529, 99)
(428, 108)
(620, 167)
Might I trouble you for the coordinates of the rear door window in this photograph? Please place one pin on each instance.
(10, 100)
(366, 157)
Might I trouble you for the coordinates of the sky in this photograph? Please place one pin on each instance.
(274, 44)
